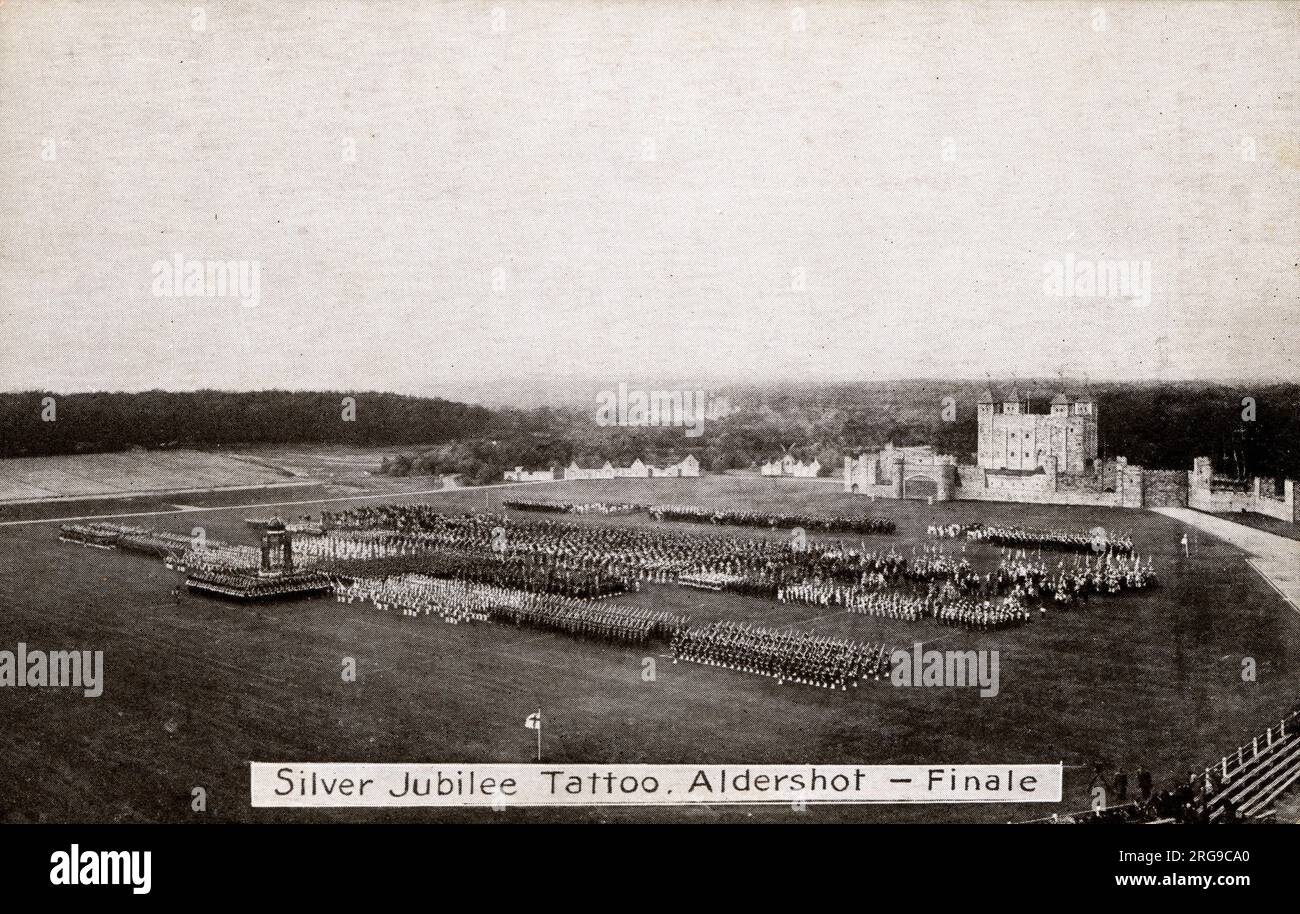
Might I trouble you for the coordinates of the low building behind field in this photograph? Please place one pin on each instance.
(788, 466)
(688, 466)
(519, 474)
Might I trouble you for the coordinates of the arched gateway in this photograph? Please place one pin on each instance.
(920, 487)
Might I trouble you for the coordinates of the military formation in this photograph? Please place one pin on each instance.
(786, 656)
(178, 550)
(215, 556)
(413, 595)
(950, 531)
(709, 580)
(1059, 540)
(889, 605)
(829, 524)
(945, 606)
(463, 601)
(594, 562)
(1034, 580)
(243, 586)
(983, 615)
(556, 575)
(570, 507)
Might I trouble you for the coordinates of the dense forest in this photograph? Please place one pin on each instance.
(37, 424)
(1156, 425)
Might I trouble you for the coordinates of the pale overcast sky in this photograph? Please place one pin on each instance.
(639, 189)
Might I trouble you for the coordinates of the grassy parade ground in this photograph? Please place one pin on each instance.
(195, 690)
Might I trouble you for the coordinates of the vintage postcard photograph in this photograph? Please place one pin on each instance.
(649, 413)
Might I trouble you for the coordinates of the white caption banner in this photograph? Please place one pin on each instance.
(312, 784)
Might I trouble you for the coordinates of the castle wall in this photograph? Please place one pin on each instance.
(979, 484)
(1165, 488)
(1283, 508)
(1111, 483)
(1219, 500)
(1258, 495)
(1117, 485)
(1130, 488)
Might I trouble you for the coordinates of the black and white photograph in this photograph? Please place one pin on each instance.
(494, 417)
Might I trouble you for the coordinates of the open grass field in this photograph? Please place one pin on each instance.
(327, 462)
(89, 475)
(194, 692)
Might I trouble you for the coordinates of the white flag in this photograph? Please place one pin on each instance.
(534, 721)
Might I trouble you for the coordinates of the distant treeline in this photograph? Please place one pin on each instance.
(1155, 425)
(1166, 426)
(34, 424)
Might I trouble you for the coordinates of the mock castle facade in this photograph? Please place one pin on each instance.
(1024, 451)
(903, 472)
(1012, 436)
(1050, 456)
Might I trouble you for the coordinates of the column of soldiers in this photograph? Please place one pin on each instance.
(786, 656)
(250, 587)
(569, 507)
(945, 606)
(522, 571)
(888, 605)
(463, 601)
(983, 616)
(411, 595)
(340, 546)
(1060, 540)
(829, 523)
(216, 556)
(950, 531)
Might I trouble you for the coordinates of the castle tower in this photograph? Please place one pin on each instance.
(1203, 469)
(1014, 404)
(946, 481)
(984, 410)
(1084, 408)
